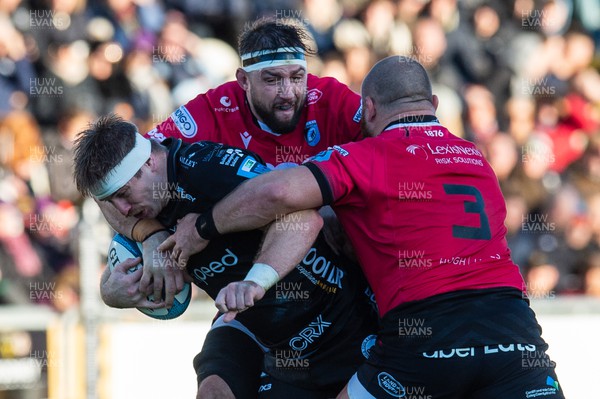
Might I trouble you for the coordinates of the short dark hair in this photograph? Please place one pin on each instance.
(99, 148)
(270, 34)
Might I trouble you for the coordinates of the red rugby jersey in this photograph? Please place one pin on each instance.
(331, 116)
(423, 210)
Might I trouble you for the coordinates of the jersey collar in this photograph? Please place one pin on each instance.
(412, 120)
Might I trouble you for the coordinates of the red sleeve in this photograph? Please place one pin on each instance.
(191, 122)
(342, 175)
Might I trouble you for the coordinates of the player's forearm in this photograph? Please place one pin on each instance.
(265, 198)
(287, 240)
(285, 244)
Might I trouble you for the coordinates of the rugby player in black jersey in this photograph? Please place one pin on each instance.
(315, 326)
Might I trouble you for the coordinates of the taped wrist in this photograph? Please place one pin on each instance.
(205, 226)
(144, 228)
(263, 275)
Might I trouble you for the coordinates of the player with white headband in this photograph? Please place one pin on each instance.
(274, 108)
(125, 170)
(271, 58)
(315, 327)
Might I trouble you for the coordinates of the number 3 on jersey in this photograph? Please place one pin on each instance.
(473, 233)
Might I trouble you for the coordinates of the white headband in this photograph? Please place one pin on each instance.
(125, 170)
(272, 58)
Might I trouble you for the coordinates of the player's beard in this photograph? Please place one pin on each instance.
(267, 115)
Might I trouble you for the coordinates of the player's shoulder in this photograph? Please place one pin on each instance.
(222, 98)
(324, 88)
(314, 81)
(349, 150)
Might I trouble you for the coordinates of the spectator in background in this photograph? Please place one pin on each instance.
(352, 40)
(321, 18)
(188, 63)
(63, 21)
(16, 71)
(481, 117)
(379, 20)
(150, 93)
(134, 22)
(59, 158)
(520, 111)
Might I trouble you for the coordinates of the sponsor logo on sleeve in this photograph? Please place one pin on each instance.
(322, 156)
(325, 155)
(248, 164)
(230, 156)
(156, 135)
(251, 168)
(342, 151)
(311, 133)
(367, 344)
(184, 122)
(313, 95)
(358, 115)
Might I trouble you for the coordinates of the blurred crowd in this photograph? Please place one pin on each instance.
(518, 77)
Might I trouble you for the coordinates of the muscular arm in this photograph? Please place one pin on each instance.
(267, 197)
(253, 204)
(286, 242)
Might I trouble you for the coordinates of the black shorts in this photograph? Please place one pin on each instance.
(231, 352)
(512, 371)
(331, 365)
(235, 357)
(481, 344)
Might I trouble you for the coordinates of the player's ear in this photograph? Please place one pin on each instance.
(435, 101)
(242, 78)
(369, 110)
(151, 162)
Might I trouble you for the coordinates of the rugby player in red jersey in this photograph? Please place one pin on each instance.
(425, 214)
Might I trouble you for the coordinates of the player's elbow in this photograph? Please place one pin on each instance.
(279, 198)
(314, 221)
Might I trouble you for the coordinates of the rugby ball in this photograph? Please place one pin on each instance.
(122, 248)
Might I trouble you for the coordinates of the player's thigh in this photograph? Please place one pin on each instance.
(214, 387)
(234, 357)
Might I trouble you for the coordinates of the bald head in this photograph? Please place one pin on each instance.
(397, 84)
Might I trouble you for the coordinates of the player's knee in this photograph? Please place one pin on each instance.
(213, 387)
(343, 394)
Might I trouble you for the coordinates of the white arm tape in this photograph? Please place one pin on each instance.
(263, 275)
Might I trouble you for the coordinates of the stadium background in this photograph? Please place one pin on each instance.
(520, 78)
